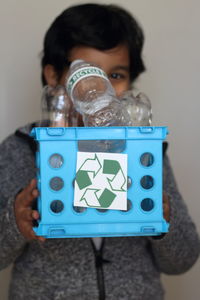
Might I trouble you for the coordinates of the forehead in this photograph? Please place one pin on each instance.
(108, 60)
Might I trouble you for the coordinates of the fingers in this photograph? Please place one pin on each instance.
(166, 207)
(35, 215)
(24, 214)
(25, 225)
(32, 185)
(41, 239)
(29, 215)
(35, 193)
(28, 194)
(26, 230)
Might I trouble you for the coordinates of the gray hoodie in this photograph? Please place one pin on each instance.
(123, 268)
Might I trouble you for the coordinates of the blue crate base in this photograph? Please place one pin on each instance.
(66, 221)
(100, 230)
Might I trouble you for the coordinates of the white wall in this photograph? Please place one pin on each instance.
(172, 56)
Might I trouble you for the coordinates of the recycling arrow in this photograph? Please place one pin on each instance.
(89, 165)
(90, 197)
(92, 200)
(112, 167)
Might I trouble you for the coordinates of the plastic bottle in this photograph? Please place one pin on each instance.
(56, 108)
(138, 107)
(94, 98)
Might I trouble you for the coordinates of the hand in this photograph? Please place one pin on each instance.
(23, 211)
(166, 207)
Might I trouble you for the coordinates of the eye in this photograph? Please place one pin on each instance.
(117, 76)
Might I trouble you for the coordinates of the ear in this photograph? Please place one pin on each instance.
(50, 75)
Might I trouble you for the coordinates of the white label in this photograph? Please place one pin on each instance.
(101, 180)
(83, 73)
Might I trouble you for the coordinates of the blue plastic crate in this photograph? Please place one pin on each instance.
(60, 219)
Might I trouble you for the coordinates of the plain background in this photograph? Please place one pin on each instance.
(172, 57)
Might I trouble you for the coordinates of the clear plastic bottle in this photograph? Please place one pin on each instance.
(138, 107)
(56, 107)
(94, 98)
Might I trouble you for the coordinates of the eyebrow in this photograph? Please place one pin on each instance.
(121, 67)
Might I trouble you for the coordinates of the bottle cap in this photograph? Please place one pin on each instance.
(77, 61)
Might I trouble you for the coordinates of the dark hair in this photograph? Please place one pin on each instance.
(98, 26)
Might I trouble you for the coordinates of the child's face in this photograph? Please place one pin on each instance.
(115, 62)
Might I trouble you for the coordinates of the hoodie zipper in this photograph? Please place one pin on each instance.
(99, 261)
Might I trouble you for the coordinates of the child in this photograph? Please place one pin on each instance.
(121, 268)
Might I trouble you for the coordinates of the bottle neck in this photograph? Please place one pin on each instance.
(82, 73)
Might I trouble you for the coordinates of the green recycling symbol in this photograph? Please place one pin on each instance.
(95, 169)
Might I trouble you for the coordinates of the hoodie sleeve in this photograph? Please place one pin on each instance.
(16, 170)
(177, 250)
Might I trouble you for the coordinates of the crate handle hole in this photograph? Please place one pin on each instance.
(79, 209)
(147, 182)
(147, 159)
(56, 161)
(56, 183)
(147, 204)
(57, 206)
(129, 206)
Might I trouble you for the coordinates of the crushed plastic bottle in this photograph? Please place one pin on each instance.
(138, 107)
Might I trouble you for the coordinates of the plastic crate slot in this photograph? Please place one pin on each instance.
(79, 209)
(148, 229)
(57, 232)
(56, 161)
(55, 131)
(146, 129)
(57, 206)
(56, 183)
(102, 210)
(147, 159)
(109, 146)
(147, 204)
(147, 182)
(129, 206)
